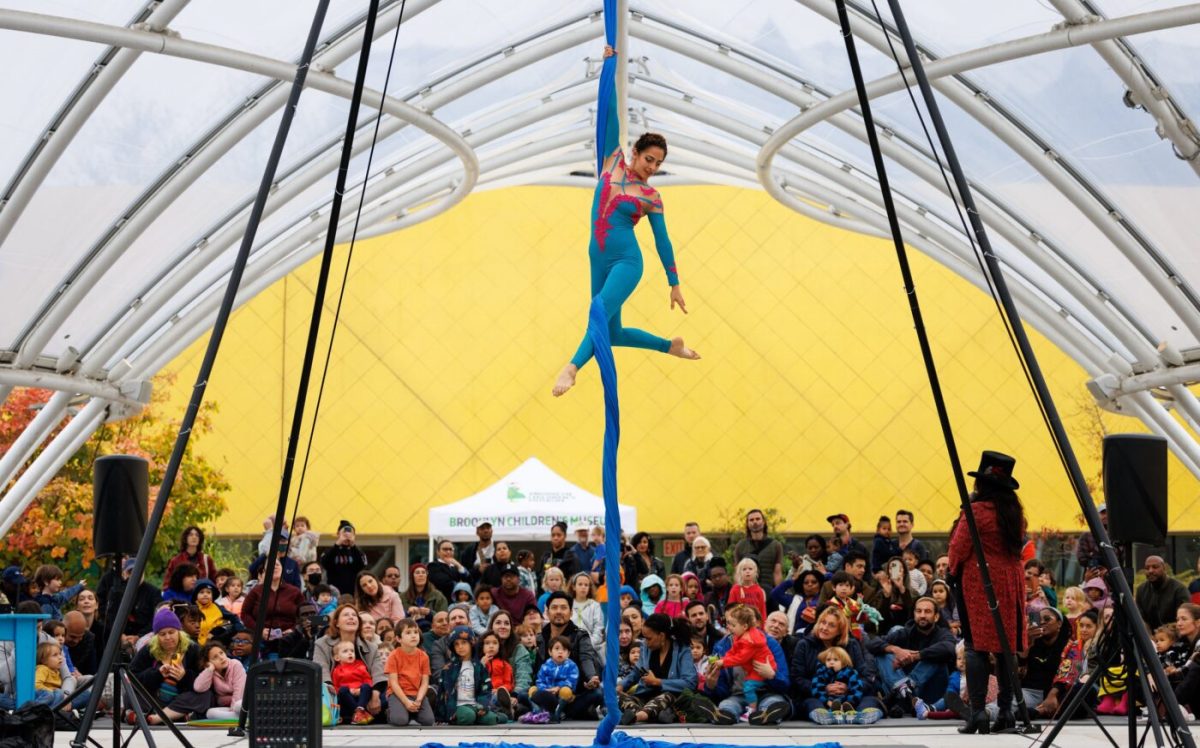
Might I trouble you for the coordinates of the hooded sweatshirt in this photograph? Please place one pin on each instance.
(1104, 601)
(462, 587)
(647, 582)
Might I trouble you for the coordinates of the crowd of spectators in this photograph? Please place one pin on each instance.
(848, 631)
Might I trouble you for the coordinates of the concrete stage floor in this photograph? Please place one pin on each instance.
(889, 732)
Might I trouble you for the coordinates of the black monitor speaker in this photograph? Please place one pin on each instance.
(1135, 488)
(121, 492)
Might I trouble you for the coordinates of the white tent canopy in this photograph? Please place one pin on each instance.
(524, 505)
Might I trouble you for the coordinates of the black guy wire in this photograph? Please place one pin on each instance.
(926, 351)
(962, 220)
(337, 312)
(310, 347)
(1143, 648)
(112, 645)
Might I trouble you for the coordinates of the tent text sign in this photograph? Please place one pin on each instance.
(524, 505)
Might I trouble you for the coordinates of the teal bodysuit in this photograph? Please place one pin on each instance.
(613, 253)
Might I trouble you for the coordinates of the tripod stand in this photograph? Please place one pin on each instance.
(132, 688)
(1117, 648)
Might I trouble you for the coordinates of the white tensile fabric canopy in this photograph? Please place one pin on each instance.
(524, 505)
(135, 133)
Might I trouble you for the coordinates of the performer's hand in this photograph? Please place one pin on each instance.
(677, 298)
(609, 51)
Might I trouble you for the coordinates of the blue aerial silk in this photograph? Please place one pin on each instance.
(608, 84)
(598, 333)
(602, 346)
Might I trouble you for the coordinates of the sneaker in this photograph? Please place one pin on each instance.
(895, 711)
(361, 717)
(902, 688)
(849, 714)
(771, 715)
(920, 708)
(839, 717)
(868, 716)
(745, 715)
(823, 716)
(628, 717)
(710, 711)
(540, 718)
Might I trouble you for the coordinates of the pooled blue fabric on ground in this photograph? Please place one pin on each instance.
(624, 740)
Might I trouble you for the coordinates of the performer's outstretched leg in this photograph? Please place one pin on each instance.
(614, 285)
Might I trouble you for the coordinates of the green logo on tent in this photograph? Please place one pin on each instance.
(514, 493)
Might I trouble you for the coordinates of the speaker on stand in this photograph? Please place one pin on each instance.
(1135, 490)
(121, 493)
(120, 496)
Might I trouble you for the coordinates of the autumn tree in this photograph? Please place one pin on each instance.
(57, 526)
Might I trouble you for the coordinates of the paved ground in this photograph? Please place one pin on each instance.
(896, 732)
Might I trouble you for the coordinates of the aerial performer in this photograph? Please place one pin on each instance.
(622, 197)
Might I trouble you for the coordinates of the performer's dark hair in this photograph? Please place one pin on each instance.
(1010, 513)
(651, 140)
(678, 630)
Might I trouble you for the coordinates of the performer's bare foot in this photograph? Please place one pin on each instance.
(679, 349)
(566, 380)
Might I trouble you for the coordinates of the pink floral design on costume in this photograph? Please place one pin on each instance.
(609, 204)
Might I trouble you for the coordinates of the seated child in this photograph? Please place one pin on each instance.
(483, 611)
(466, 685)
(232, 595)
(47, 679)
(556, 680)
(749, 647)
(672, 605)
(352, 682)
(408, 675)
(1171, 654)
(699, 659)
(501, 673)
(225, 676)
(462, 594)
(525, 567)
(846, 598)
(837, 667)
(325, 600)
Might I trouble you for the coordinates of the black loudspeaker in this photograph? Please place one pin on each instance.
(283, 698)
(121, 492)
(1135, 488)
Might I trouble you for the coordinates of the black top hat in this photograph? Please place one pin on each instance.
(996, 468)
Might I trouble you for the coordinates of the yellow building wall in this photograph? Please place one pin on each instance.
(811, 396)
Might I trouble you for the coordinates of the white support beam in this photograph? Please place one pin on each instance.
(1041, 253)
(102, 258)
(622, 112)
(34, 433)
(1087, 198)
(1145, 91)
(18, 498)
(70, 383)
(112, 65)
(220, 238)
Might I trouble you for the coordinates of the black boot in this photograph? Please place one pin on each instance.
(1005, 722)
(976, 723)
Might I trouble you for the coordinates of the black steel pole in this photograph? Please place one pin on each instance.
(927, 355)
(202, 376)
(1124, 593)
(310, 348)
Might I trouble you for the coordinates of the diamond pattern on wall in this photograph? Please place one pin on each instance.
(811, 396)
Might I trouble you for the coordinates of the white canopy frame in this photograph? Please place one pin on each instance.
(1085, 319)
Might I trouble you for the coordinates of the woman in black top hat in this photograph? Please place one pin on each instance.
(1000, 520)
